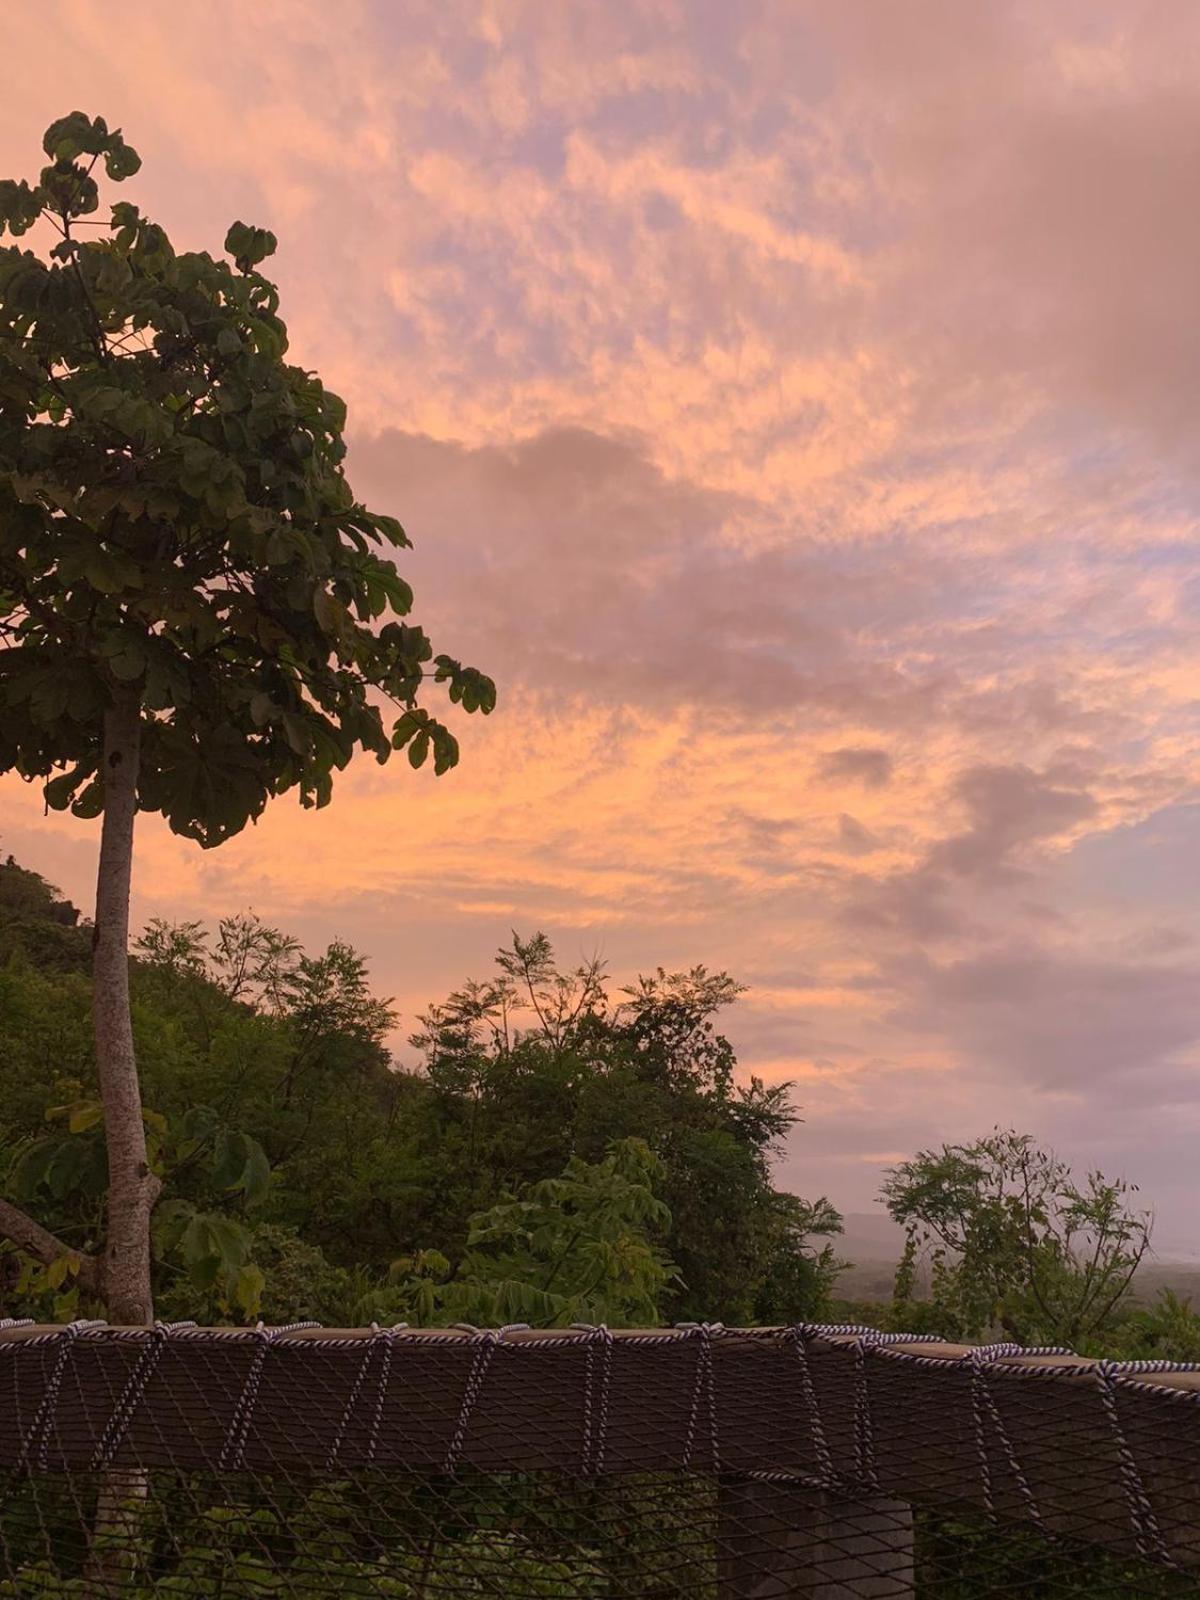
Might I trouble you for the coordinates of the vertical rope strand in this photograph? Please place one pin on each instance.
(799, 1337)
(234, 1448)
(381, 1389)
(703, 1390)
(864, 1438)
(381, 1339)
(1144, 1523)
(133, 1393)
(485, 1341)
(43, 1418)
(596, 1381)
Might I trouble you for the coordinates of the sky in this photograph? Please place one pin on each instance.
(793, 406)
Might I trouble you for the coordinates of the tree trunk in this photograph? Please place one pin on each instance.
(132, 1188)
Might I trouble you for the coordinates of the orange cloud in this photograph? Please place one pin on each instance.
(792, 405)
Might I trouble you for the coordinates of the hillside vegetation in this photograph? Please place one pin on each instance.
(548, 1152)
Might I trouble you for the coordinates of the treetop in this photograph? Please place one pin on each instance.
(176, 525)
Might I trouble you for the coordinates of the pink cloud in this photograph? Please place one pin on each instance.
(792, 406)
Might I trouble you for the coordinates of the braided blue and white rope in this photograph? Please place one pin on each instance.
(485, 1341)
(383, 1339)
(597, 1379)
(39, 1429)
(234, 1448)
(133, 1393)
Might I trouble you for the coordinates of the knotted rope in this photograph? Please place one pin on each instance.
(40, 1428)
(703, 1391)
(132, 1394)
(384, 1340)
(1146, 1533)
(234, 1448)
(597, 1378)
(485, 1341)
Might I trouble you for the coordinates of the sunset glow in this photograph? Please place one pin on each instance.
(793, 407)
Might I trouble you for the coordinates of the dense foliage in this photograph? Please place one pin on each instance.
(196, 612)
(551, 1154)
(176, 526)
(547, 1155)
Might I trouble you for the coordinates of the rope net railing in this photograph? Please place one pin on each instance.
(712, 1463)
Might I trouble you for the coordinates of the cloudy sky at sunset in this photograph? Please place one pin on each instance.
(794, 406)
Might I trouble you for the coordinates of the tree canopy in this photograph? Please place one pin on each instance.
(176, 524)
(196, 613)
(1014, 1241)
(544, 1151)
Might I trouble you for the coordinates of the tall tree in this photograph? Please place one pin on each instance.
(196, 614)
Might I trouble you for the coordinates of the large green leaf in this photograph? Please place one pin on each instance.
(186, 530)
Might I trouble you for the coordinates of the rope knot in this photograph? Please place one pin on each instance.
(597, 1377)
(705, 1390)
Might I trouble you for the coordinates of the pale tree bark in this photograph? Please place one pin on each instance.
(122, 1278)
(132, 1187)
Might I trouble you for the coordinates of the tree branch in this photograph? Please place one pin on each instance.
(45, 614)
(37, 1241)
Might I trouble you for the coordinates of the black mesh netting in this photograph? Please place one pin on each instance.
(699, 1462)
